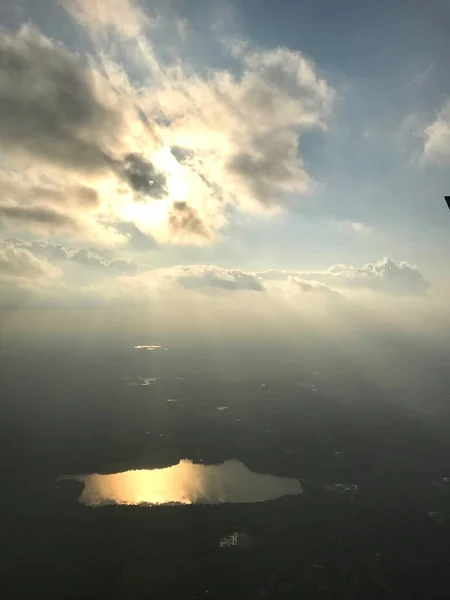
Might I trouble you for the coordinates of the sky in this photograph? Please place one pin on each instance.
(227, 160)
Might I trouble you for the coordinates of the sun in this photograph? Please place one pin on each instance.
(151, 214)
(177, 175)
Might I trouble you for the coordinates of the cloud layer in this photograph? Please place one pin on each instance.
(384, 276)
(130, 282)
(59, 253)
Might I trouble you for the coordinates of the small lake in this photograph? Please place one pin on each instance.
(185, 483)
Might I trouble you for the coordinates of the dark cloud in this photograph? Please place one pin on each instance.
(14, 188)
(52, 206)
(182, 154)
(143, 177)
(50, 104)
(81, 196)
(270, 168)
(37, 215)
(184, 220)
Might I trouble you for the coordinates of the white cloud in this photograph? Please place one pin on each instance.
(241, 133)
(126, 281)
(384, 276)
(84, 256)
(23, 275)
(20, 263)
(121, 15)
(437, 138)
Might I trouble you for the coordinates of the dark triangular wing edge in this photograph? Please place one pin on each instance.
(447, 199)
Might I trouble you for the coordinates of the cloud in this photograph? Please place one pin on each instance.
(316, 287)
(84, 256)
(198, 277)
(140, 276)
(184, 222)
(384, 276)
(122, 265)
(242, 132)
(282, 97)
(143, 177)
(437, 138)
(38, 216)
(121, 15)
(17, 189)
(137, 240)
(44, 274)
(23, 276)
(19, 262)
(53, 106)
(47, 206)
(62, 123)
(199, 144)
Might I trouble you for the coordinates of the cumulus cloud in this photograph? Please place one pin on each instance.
(53, 106)
(384, 276)
(19, 262)
(242, 132)
(22, 274)
(44, 272)
(197, 277)
(59, 253)
(437, 137)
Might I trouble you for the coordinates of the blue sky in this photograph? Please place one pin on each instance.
(360, 94)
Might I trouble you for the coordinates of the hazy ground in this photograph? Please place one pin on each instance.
(311, 415)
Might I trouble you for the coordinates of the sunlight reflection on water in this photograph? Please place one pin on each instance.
(185, 483)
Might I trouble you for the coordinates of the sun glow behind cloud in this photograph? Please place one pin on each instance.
(151, 216)
(171, 150)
